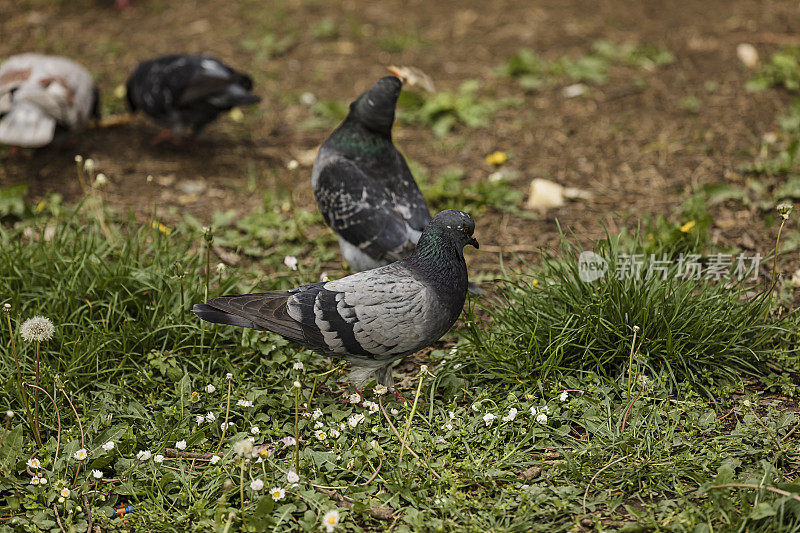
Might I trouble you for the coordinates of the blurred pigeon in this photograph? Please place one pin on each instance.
(363, 186)
(186, 92)
(371, 318)
(40, 93)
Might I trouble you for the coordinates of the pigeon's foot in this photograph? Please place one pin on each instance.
(165, 135)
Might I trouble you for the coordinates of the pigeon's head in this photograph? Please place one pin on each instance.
(456, 224)
(375, 108)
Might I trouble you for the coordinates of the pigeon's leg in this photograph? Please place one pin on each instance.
(165, 135)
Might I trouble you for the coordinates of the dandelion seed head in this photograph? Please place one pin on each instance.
(293, 164)
(37, 329)
(243, 448)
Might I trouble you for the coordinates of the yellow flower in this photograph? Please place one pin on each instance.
(236, 114)
(119, 91)
(534, 283)
(686, 228)
(496, 158)
(161, 227)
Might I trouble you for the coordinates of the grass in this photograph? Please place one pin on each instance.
(535, 73)
(782, 70)
(692, 332)
(502, 454)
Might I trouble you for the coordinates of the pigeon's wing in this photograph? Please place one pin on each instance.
(379, 314)
(362, 211)
(216, 83)
(407, 194)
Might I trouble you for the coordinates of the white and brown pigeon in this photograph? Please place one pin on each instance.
(185, 92)
(374, 317)
(40, 94)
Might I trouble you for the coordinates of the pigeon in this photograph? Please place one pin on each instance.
(185, 92)
(40, 95)
(363, 185)
(371, 318)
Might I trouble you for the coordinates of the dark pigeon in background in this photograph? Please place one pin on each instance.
(371, 318)
(363, 186)
(41, 95)
(186, 92)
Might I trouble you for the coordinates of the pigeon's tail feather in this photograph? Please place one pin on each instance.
(27, 126)
(233, 96)
(211, 314)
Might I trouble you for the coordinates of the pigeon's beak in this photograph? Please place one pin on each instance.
(474, 242)
(397, 72)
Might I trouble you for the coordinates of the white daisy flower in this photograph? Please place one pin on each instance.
(244, 403)
(158, 458)
(215, 459)
(34, 480)
(330, 519)
(97, 474)
(144, 455)
(334, 433)
(65, 492)
(488, 418)
(33, 462)
(181, 444)
(316, 414)
(255, 430)
(290, 261)
(210, 417)
(210, 388)
(321, 435)
(564, 396)
(277, 493)
(298, 366)
(541, 418)
(380, 390)
(81, 454)
(356, 419)
(354, 398)
(199, 419)
(512, 414)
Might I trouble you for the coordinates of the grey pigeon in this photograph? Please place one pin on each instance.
(363, 186)
(40, 94)
(186, 92)
(371, 318)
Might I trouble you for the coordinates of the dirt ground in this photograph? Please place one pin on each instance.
(638, 152)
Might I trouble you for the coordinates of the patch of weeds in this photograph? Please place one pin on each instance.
(780, 157)
(327, 114)
(325, 30)
(691, 104)
(267, 46)
(397, 42)
(534, 72)
(782, 70)
(12, 202)
(447, 190)
(445, 110)
(691, 331)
